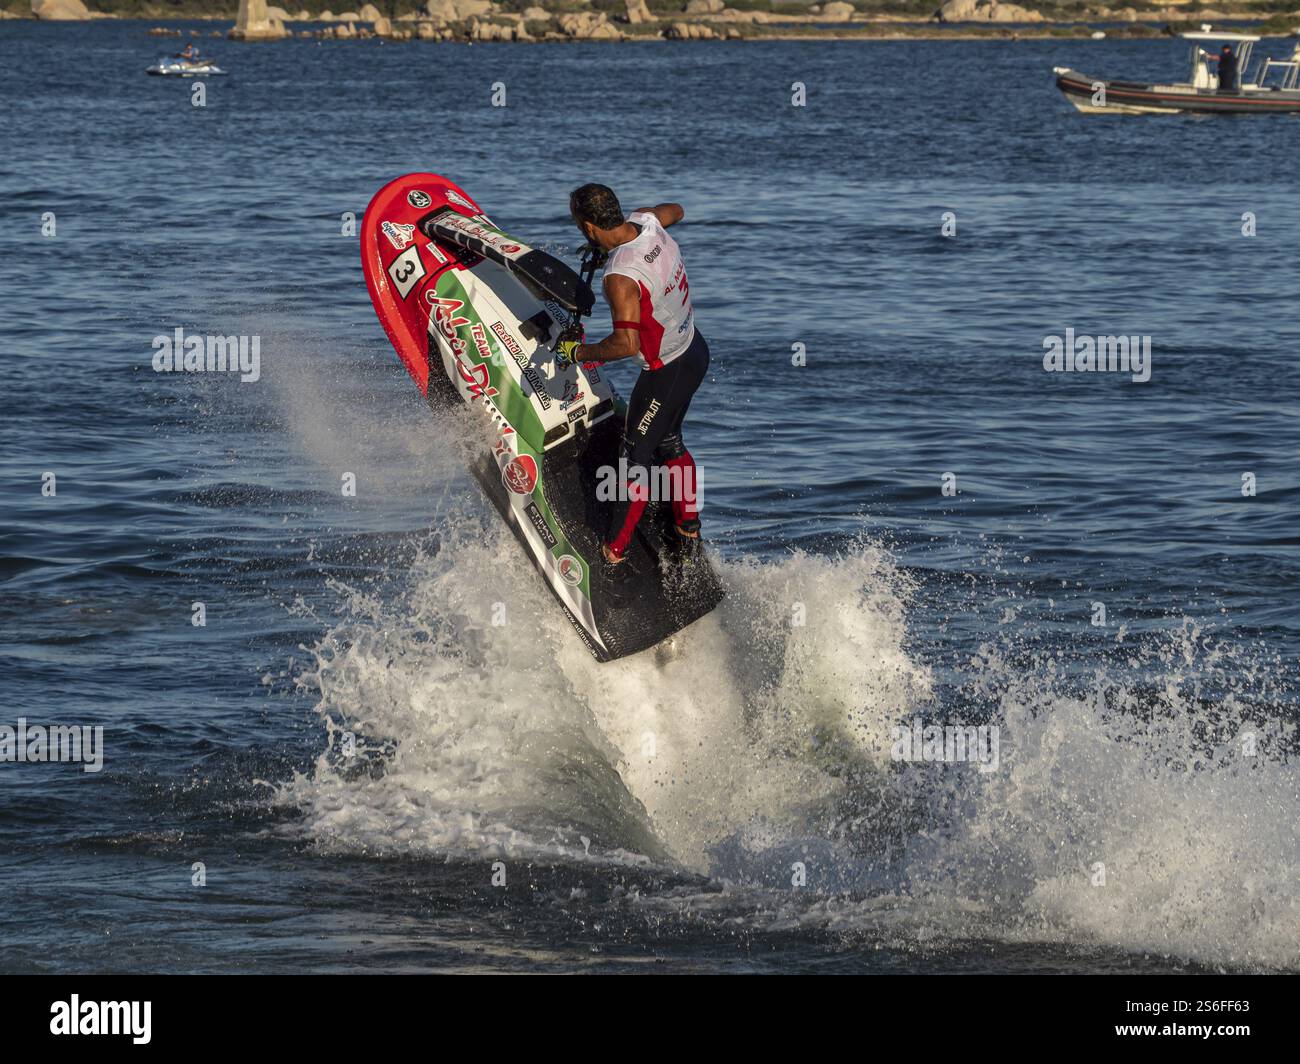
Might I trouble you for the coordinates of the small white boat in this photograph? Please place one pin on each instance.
(185, 68)
(1275, 88)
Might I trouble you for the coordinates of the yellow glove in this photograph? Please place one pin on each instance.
(566, 353)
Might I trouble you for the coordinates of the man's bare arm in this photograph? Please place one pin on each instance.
(624, 300)
(667, 213)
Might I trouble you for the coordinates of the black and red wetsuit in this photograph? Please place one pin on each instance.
(652, 441)
(674, 358)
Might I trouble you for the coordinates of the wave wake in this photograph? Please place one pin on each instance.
(1145, 799)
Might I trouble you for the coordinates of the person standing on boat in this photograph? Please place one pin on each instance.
(1227, 69)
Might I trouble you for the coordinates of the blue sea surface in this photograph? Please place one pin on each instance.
(914, 519)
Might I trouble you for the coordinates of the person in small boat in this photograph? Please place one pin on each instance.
(189, 53)
(1227, 69)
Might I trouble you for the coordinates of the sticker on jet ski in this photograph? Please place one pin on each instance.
(399, 235)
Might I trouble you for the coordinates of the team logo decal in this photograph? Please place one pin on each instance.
(539, 523)
(399, 234)
(520, 474)
(418, 198)
(507, 341)
(445, 317)
(572, 394)
(472, 231)
(570, 570)
(481, 341)
(517, 353)
(445, 320)
(476, 378)
(456, 197)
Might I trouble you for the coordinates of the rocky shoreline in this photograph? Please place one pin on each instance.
(632, 20)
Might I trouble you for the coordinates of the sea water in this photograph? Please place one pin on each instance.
(345, 726)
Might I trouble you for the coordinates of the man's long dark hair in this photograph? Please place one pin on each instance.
(596, 204)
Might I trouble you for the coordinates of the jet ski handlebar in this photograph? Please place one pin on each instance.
(593, 258)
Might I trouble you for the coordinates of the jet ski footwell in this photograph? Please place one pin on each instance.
(475, 315)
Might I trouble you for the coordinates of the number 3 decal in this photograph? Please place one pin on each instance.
(406, 270)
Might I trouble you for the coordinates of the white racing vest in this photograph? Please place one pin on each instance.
(654, 262)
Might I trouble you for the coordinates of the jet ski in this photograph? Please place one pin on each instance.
(184, 68)
(475, 314)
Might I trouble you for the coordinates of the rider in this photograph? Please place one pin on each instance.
(649, 298)
(189, 53)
